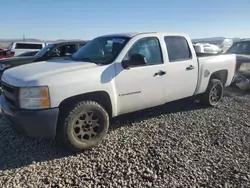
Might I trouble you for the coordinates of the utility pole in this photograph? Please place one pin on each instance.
(23, 37)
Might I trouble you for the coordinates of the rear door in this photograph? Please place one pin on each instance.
(182, 69)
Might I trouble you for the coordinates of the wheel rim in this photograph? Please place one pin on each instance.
(215, 94)
(86, 126)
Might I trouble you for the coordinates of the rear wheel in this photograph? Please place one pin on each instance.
(85, 126)
(213, 93)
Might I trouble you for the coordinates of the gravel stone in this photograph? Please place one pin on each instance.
(181, 144)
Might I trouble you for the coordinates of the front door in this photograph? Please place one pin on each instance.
(142, 86)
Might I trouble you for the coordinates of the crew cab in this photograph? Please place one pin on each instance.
(73, 99)
(51, 51)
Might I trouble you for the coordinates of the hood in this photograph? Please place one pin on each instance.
(29, 72)
(16, 58)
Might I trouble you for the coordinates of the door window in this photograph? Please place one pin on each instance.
(62, 51)
(69, 50)
(148, 47)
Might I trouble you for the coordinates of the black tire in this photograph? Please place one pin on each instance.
(213, 93)
(84, 126)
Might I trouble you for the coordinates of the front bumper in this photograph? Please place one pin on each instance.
(31, 123)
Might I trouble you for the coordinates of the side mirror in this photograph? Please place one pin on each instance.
(135, 60)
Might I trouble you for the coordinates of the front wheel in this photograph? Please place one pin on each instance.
(213, 93)
(85, 126)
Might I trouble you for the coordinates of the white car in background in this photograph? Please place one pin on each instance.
(17, 48)
(207, 48)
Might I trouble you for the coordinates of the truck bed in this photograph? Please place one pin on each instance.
(206, 54)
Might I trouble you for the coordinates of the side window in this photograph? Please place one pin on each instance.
(178, 48)
(54, 52)
(28, 46)
(69, 50)
(61, 51)
(148, 47)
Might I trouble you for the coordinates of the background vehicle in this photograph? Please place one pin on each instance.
(51, 51)
(207, 48)
(112, 75)
(32, 53)
(3, 54)
(242, 51)
(16, 48)
(227, 43)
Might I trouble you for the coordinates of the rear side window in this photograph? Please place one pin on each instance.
(28, 46)
(178, 48)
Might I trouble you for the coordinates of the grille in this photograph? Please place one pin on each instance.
(11, 94)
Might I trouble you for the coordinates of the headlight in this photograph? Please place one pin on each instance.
(4, 66)
(34, 97)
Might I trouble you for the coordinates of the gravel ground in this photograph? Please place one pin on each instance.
(178, 145)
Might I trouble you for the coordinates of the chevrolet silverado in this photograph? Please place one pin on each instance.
(73, 99)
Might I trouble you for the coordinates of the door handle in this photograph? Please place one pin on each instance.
(160, 73)
(190, 67)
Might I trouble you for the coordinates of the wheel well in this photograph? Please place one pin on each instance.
(101, 97)
(220, 75)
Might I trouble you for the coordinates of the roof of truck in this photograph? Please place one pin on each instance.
(68, 41)
(30, 42)
(132, 34)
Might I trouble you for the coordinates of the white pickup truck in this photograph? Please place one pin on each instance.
(73, 98)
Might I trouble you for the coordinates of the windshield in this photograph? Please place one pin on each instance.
(101, 50)
(240, 48)
(44, 50)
